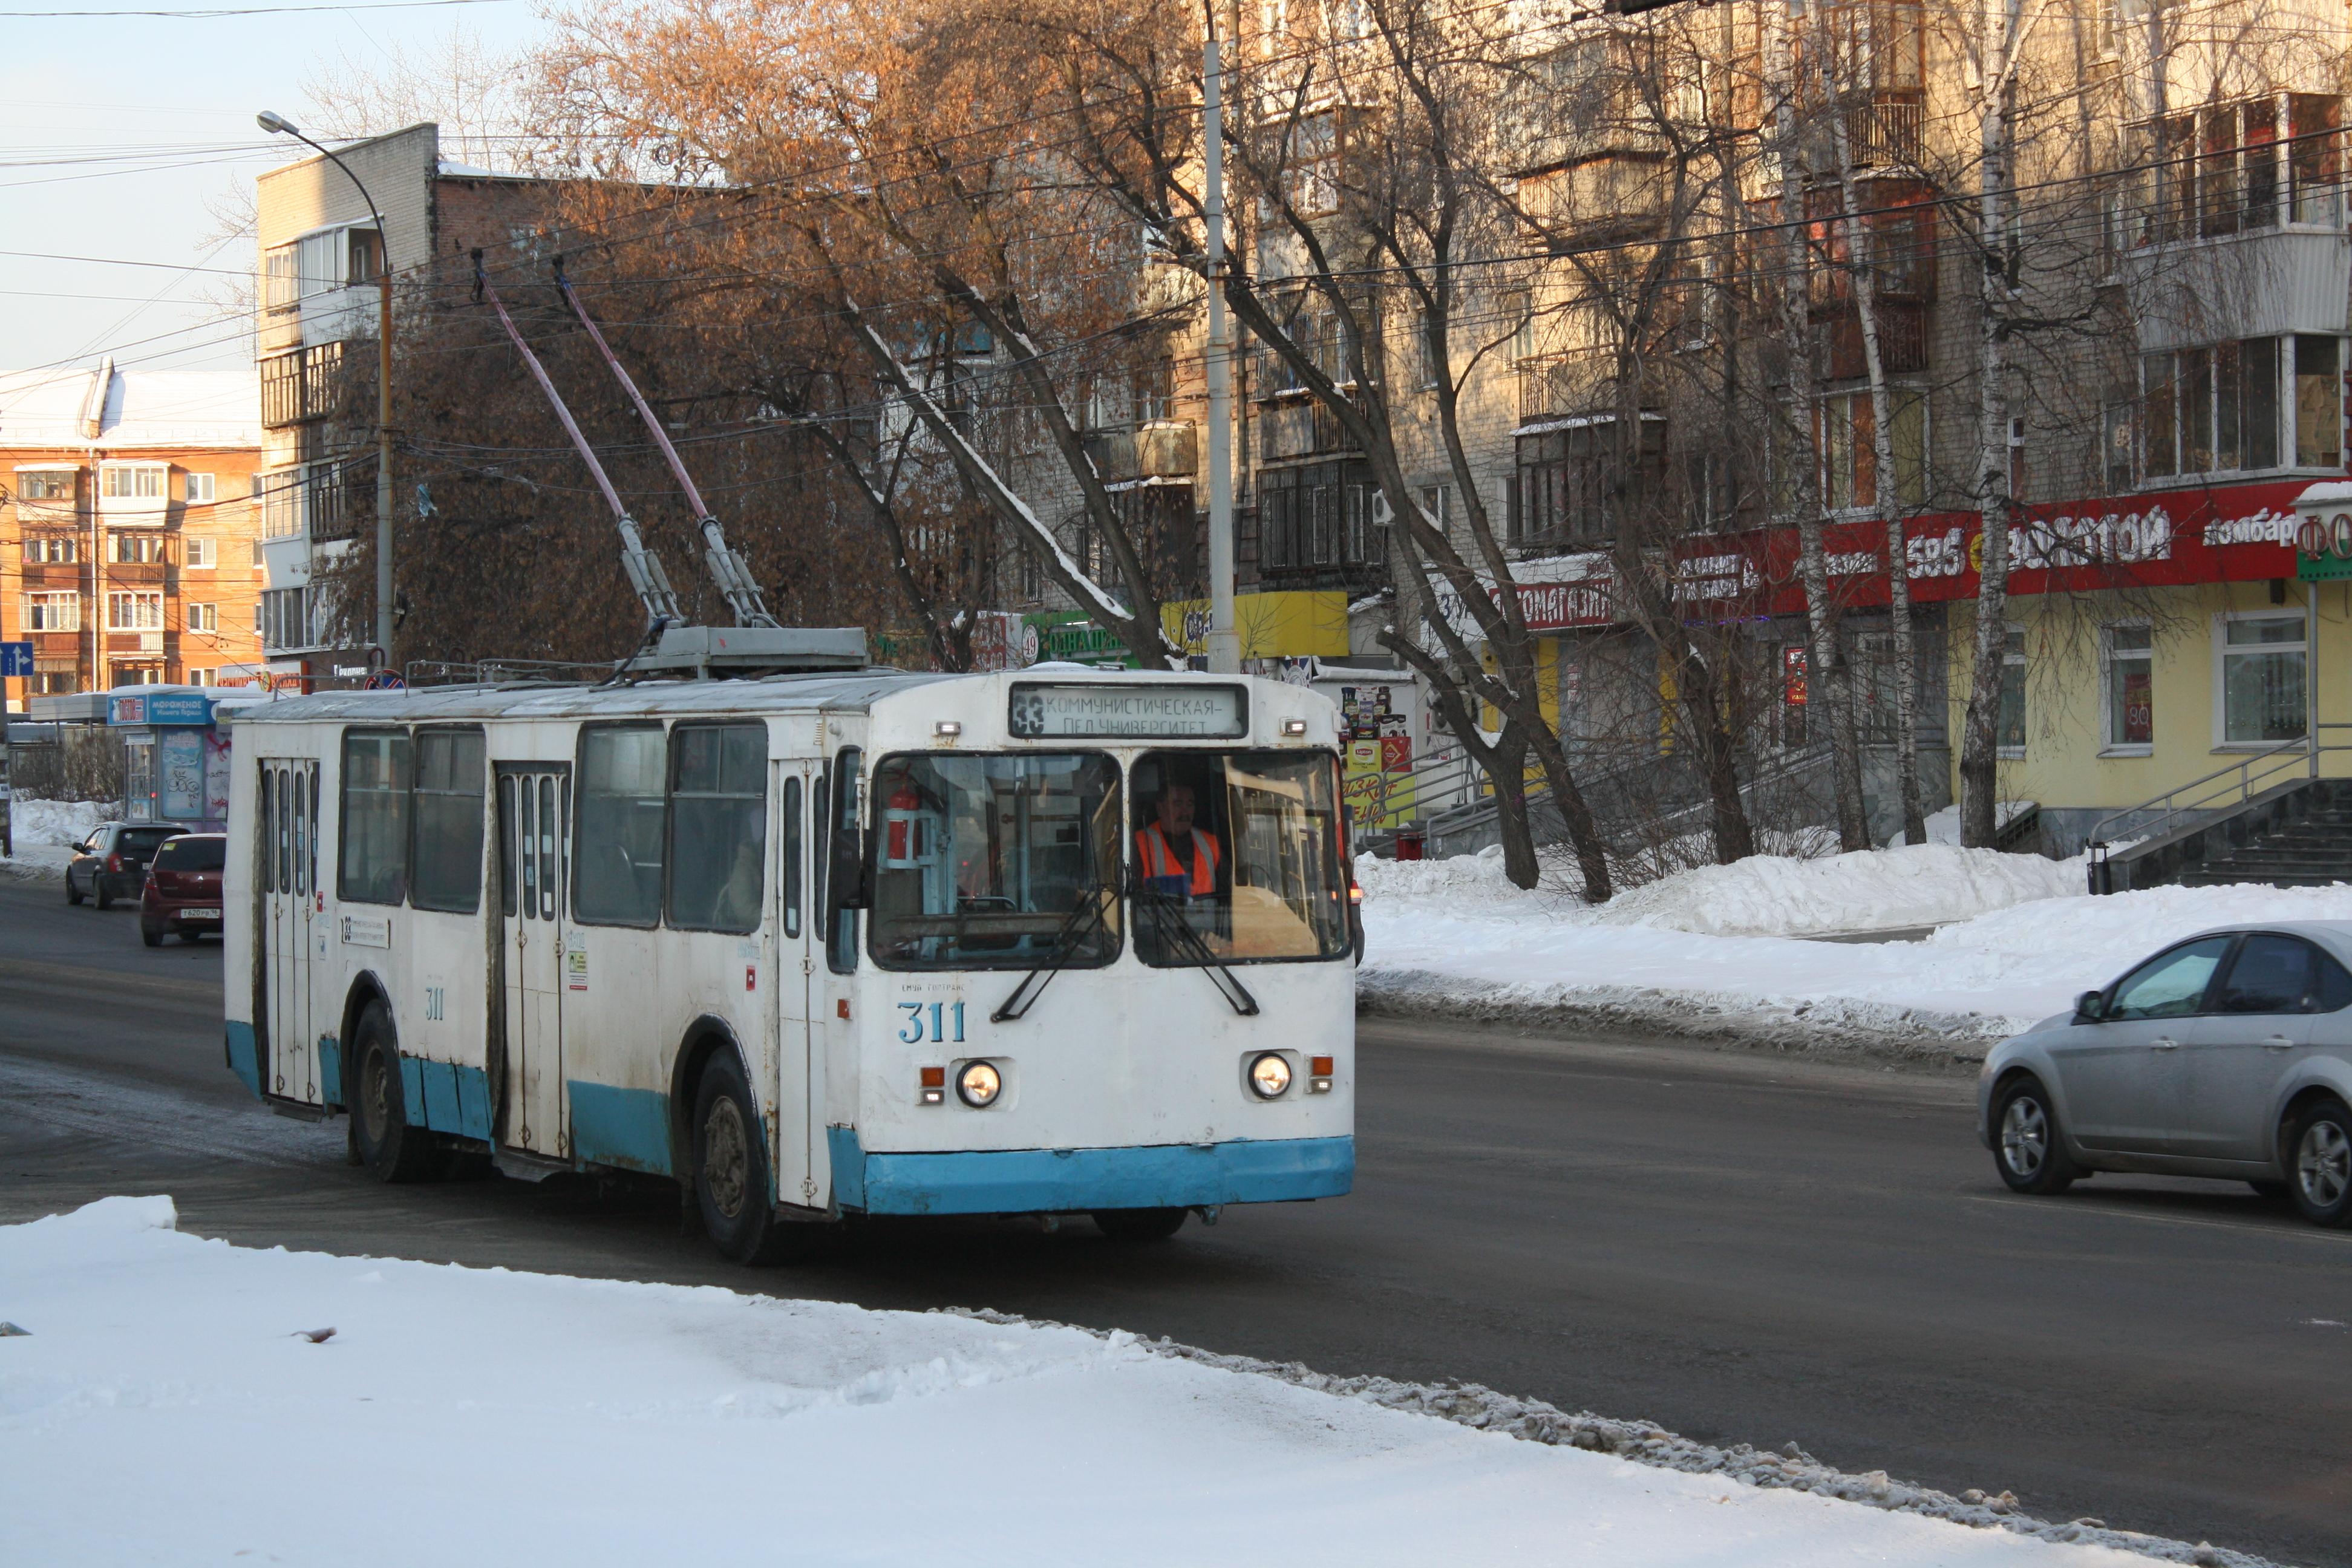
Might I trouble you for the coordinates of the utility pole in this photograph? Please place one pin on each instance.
(1224, 639)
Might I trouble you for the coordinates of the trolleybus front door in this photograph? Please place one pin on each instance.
(533, 808)
(290, 920)
(796, 1088)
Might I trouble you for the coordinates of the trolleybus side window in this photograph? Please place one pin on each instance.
(789, 856)
(446, 855)
(508, 868)
(840, 839)
(284, 883)
(374, 864)
(301, 840)
(1237, 857)
(617, 864)
(718, 826)
(265, 841)
(995, 861)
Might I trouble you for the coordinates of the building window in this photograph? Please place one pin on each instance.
(2318, 402)
(44, 484)
(2221, 408)
(278, 291)
(52, 612)
(52, 550)
(2118, 436)
(197, 674)
(138, 549)
(284, 618)
(200, 488)
(203, 617)
(1429, 349)
(1848, 443)
(1565, 478)
(140, 612)
(1310, 176)
(2260, 681)
(2129, 728)
(366, 259)
(1437, 501)
(2217, 170)
(138, 675)
(133, 481)
(203, 554)
(1318, 516)
(2010, 727)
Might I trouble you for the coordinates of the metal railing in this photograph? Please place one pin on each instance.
(2220, 790)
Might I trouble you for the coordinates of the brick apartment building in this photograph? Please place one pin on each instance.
(321, 257)
(129, 552)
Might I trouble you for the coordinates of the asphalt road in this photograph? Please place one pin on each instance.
(1740, 1247)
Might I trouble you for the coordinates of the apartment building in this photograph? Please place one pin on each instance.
(2173, 306)
(130, 552)
(321, 255)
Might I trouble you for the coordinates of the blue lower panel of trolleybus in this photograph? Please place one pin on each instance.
(1032, 1181)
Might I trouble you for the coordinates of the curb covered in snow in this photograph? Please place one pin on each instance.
(1830, 1028)
(1643, 1443)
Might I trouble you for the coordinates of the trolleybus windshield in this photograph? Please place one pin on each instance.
(1236, 858)
(982, 862)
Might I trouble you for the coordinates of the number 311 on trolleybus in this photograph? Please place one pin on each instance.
(821, 944)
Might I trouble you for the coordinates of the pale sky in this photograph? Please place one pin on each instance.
(116, 131)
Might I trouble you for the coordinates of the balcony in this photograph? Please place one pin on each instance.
(1159, 451)
(1617, 193)
(314, 499)
(1566, 384)
(320, 381)
(1886, 131)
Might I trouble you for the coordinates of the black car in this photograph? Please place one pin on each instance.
(111, 863)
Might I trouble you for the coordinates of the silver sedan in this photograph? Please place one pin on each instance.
(2227, 1054)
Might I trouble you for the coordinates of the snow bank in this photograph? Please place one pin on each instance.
(1682, 955)
(44, 831)
(538, 1418)
(1873, 890)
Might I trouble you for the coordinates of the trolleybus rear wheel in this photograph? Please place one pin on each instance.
(387, 1145)
(1140, 1225)
(730, 1168)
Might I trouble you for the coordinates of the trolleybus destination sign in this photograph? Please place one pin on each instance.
(1162, 711)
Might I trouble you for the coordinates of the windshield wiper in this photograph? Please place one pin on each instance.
(1170, 916)
(1076, 926)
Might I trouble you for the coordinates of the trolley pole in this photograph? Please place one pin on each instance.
(1224, 641)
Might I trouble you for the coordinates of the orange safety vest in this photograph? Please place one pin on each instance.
(1159, 857)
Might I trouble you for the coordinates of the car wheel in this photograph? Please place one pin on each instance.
(387, 1143)
(2319, 1162)
(150, 935)
(1140, 1225)
(2026, 1145)
(97, 885)
(730, 1170)
(73, 894)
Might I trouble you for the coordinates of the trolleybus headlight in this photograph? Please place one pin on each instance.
(979, 1085)
(1269, 1075)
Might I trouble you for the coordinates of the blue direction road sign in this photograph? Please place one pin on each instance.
(17, 659)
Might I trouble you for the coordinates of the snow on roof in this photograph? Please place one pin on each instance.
(142, 408)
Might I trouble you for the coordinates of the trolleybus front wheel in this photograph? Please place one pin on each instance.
(1140, 1225)
(386, 1144)
(730, 1169)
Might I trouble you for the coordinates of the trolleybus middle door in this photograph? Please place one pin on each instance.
(795, 985)
(534, 804)
(290, 922)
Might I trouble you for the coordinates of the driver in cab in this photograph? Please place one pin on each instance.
(1182, 861)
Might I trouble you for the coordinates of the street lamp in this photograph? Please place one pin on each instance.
(278, 125)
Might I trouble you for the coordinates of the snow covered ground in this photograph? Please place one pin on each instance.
(1683, 955)
(170, 1402)
(44, 831)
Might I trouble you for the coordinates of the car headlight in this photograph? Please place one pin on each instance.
(1269, 1075)
(979, 1085)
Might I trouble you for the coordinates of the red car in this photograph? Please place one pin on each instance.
(183, 888)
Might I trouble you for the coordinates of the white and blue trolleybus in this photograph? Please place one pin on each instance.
(815, 944)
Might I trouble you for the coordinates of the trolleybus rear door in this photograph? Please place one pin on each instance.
(796, 1111)
(534, 805)
(290, 920)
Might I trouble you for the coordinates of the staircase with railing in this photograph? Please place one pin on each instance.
(2270, 817)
